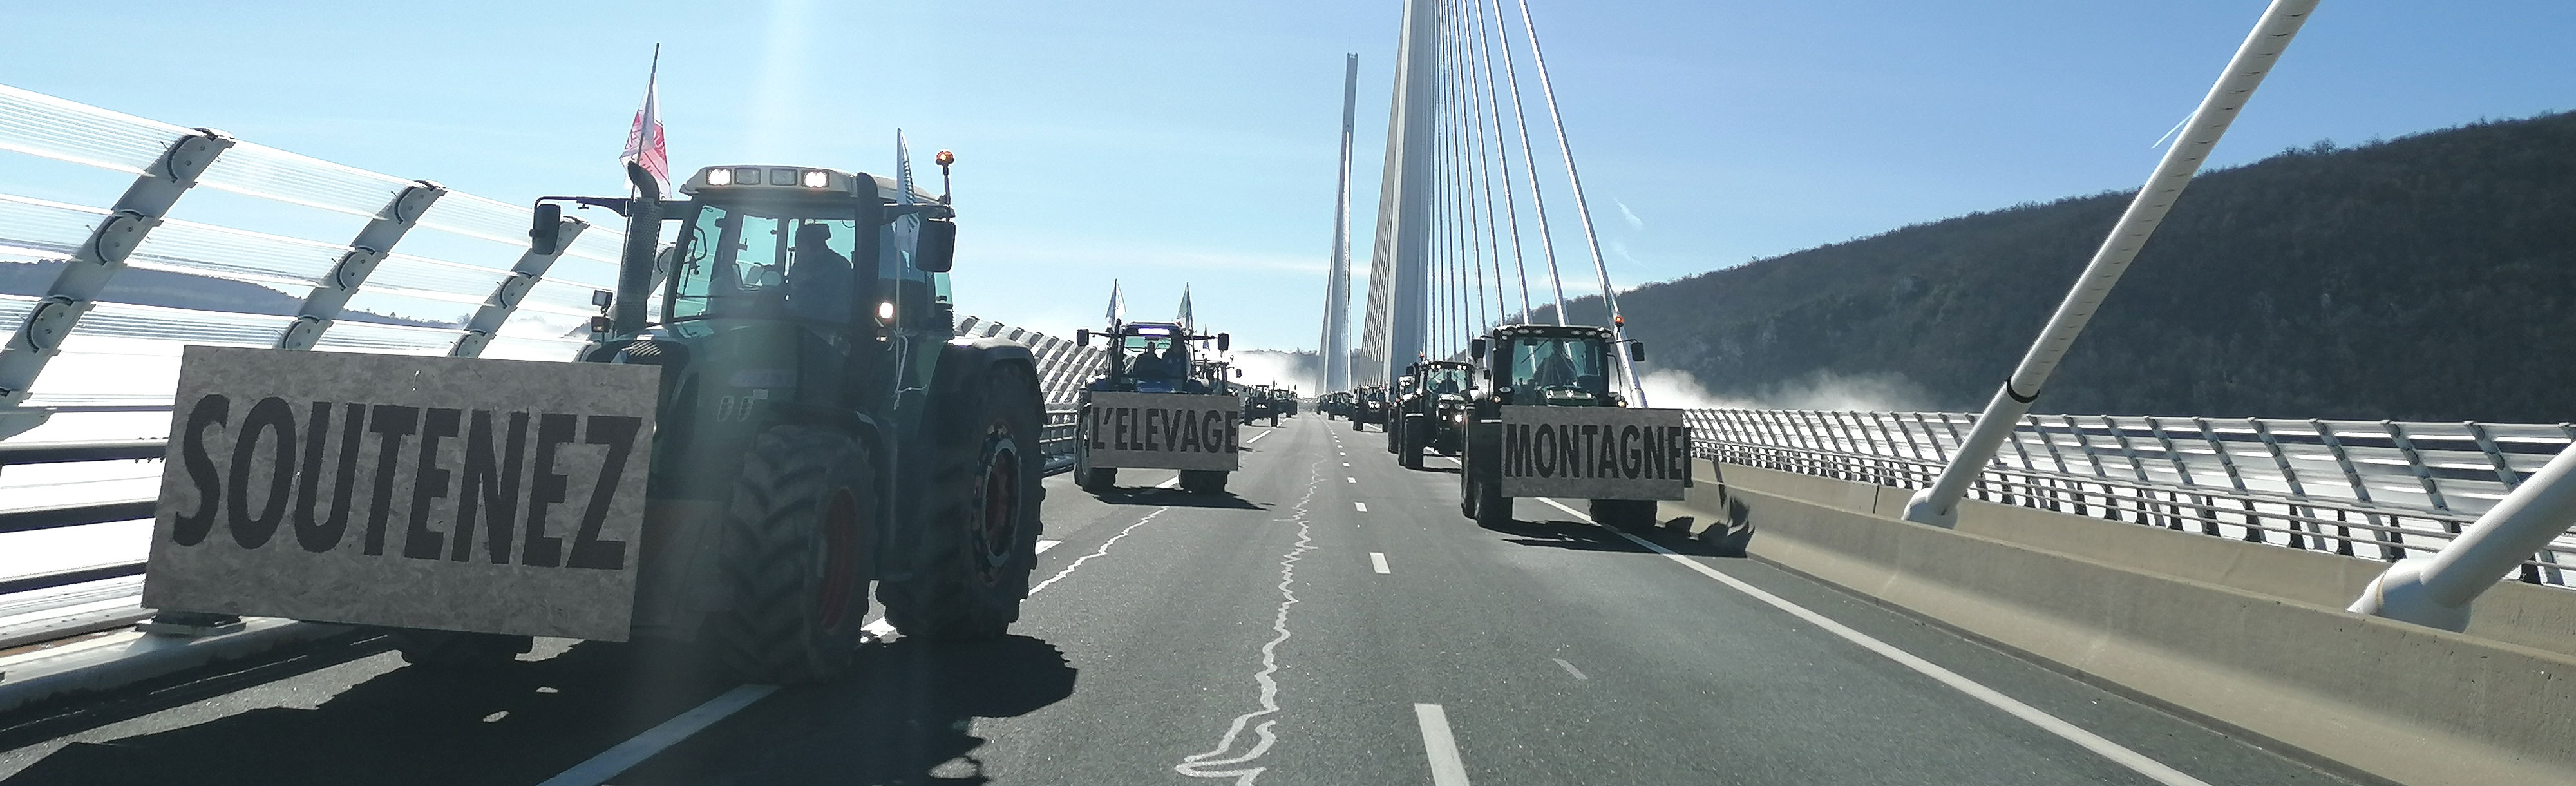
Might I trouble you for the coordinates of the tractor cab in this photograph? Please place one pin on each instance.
(1155, 357)
(1552, 365)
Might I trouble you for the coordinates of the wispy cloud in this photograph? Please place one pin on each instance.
(1629, 215)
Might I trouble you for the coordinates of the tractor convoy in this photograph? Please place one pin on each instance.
(773, 415)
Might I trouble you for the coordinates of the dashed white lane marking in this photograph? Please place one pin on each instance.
(1353, 480)
(2107, 749)
(598, 769)
(1440, 745)
(1346, 463)
(1570, 669)
(1363, 506)
(1377, 561)
(1043, 545)
(1197, 765)
(1257, 437)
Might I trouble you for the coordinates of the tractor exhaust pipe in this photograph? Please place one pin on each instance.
(643, 242)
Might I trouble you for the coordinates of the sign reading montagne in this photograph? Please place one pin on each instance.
(1594, 452)
(491, 496)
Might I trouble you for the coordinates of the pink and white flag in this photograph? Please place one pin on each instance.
(644, 143)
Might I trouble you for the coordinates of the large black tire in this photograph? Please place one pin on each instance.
(798, 552)
(1626, 514)
(980, 531)
(1097, 479)
(447, 650)
(1409, 447)
(1356, 425)
(1487, 505)
(1203, 481)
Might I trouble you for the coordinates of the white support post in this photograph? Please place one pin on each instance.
(2254, 59)
(2436, 592)
(75, 290)
(505, 298)
(374, 242)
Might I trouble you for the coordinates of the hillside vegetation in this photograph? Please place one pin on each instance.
(2431, 277)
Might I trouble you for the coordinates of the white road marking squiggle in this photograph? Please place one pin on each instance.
(1104, 549)
(1203, 765)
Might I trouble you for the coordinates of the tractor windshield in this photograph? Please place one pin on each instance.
(1445, 380)
(1157, 357)
(1558, 368)
(759, 261)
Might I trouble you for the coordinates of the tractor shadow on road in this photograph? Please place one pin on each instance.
(901, 717)
(1163, 497)
(1586, 536)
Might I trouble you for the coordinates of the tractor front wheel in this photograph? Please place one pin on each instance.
(980, 534)
(799, 550)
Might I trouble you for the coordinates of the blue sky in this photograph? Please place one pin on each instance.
(1163, 142)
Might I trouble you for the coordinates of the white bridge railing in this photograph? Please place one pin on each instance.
(2381, 490)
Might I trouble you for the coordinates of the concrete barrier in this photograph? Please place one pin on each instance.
(2244, 635)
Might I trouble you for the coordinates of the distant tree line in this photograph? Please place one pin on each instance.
(2431, 277)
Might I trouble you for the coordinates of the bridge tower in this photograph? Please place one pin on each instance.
(1392, 330)
(1336, 346)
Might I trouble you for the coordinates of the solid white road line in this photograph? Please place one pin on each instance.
(1363, 506)
(2052, 724)
(1257, 437)
(1043, 545)
(634, 751)
(1570, 669)
(1440, 745)
(1378, 560)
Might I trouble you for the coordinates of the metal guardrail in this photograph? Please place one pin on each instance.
(2381, 490)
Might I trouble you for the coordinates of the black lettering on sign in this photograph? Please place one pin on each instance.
(1630, 459)
(1119, 436)
(272, 418)
(323, 535)
(1234, 431)
(1543, 449)
(1516, 462)
(547, 488)
(428, 483)
(189, 529)
(1570, 460)
(1191, 431)
(1091, 425)
(1649, 442)
(1677, 441)
(1212, 424)
(588, 550)
(1153, 419)
(392, 423)
(490, 491)
(1598, 445)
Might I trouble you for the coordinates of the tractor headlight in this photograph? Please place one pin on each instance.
(720, 177)
(816, 178)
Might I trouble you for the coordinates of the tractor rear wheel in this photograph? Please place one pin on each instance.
(1409, 447)
(799, 549)
(1096, 479)
(1203, 481)
(980, 537)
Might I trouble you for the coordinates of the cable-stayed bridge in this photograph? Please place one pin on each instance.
(1330, 619)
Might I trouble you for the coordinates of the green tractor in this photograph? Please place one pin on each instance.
(821, 427)
(1432, 416)
(1554, 366)
(1369, 405)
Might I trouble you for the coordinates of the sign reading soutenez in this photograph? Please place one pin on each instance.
(1594, 452)
(1164, 431)
(491, 496)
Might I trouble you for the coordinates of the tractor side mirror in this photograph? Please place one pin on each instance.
(1082, 337)
(1238, 372)
(1637, 351)
(1224, 342)
(938, 249)
(1476, 349)
(544, 231)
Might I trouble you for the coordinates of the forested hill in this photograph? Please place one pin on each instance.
(2430, 277)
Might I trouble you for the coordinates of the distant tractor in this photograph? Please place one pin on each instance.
(1159, 407)
(1369, 405)
(1432, 416)
(1549, 424)
(1262, 402)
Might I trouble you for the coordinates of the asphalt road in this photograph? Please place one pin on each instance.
(1332, 621)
